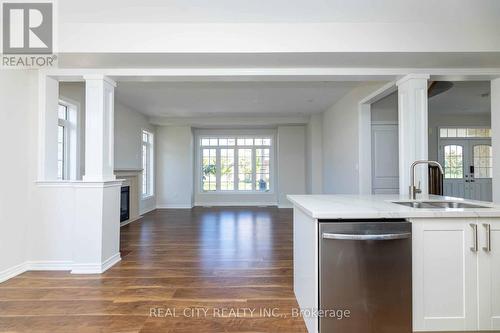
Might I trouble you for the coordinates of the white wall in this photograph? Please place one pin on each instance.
(174, 167)
(291, 162)
(17, 138)
(314, 154)
(340, 142)
(128, 145)
(386, 109)
(443, 120)
(128, 137)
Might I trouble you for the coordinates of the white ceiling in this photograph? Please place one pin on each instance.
(280, 11)
(463, 98)
(202, 99)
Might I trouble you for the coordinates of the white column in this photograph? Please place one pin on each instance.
(413, 129)
(96, 230)
(99, 128)
(495, 140)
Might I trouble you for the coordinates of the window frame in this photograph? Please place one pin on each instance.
(489, 157)
(484, 127)
(71, 138)
(222, 134)
(149, 164)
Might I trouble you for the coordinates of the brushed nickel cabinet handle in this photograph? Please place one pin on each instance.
(487, 248)
(474, 248)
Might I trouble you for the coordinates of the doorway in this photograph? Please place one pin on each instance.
(466, 155)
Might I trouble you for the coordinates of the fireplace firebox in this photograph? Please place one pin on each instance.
(125, 203)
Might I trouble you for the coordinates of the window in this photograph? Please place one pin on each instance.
(209, 169)
(483, 161)
(465, 132)
(245, 169)
(262, 160)
(63, 142)
(147, 164)
(227, 169)
(239, 163)
(453, 162)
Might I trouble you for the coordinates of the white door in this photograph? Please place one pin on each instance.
(385, 159)
(489, 275)
(480, 170)
(444, 275)
(468, 168)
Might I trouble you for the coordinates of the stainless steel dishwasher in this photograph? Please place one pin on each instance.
(365, 276)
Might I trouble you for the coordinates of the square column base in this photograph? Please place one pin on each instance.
(96, 231)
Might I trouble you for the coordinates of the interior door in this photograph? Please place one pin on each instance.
(480, 170)
(385, 159)
(452, 155)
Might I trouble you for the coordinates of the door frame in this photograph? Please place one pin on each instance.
(365, 135)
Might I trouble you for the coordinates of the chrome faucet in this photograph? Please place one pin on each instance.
(413, 189)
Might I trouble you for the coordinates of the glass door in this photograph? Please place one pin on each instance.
(481, 170)
(453, 158)
(467, 168)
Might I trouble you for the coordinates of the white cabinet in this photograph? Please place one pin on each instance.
(489, 275)
(455, 278)
(444, 278)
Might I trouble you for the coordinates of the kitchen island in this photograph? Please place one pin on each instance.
(455, 255)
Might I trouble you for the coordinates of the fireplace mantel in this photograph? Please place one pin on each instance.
(128, 172)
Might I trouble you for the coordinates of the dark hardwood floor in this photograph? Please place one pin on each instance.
(175, 264)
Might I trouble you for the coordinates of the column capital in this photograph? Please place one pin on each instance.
(412, 77)
(100, 77)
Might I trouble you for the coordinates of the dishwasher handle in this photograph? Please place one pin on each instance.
(364, 237)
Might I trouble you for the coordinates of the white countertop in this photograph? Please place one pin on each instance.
(381, 206)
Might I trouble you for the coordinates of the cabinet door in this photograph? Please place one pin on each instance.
(444, 275)
(489, 275)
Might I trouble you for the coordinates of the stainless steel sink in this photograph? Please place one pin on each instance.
(453, 204)
(437, 204)
(415, 204)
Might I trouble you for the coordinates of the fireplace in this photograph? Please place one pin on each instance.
(125, 203)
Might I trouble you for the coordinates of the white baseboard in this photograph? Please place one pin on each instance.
(96, 268)
(14, 271)
(48, 265)
(174, 206)
(236, 204)
(11, 272)
(130, 220)
(147, 210)
(110, 262)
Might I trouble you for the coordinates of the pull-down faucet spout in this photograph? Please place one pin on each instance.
(413, 189)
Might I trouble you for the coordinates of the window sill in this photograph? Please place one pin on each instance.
(147, 197)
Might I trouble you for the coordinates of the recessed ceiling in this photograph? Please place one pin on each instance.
(201, 99)
(467, 97)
